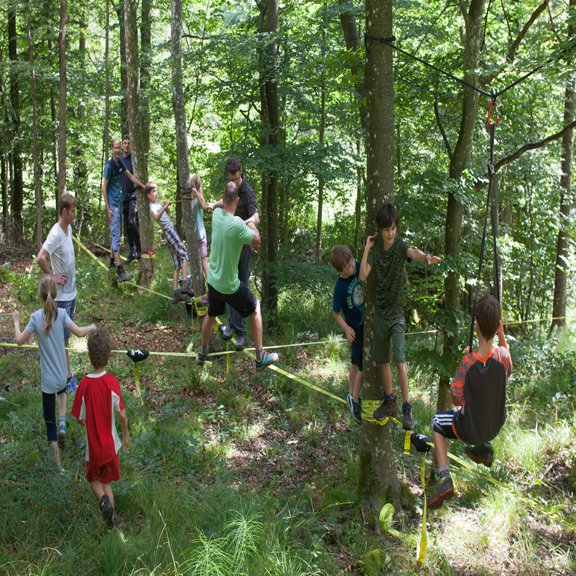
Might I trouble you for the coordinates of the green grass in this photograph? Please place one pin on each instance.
(232, 472)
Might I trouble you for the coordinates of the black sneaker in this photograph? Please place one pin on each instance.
(122, 275)
(107, 511)
(226, 332)
(386, 409)
(445, 491)
(112, 262)
(187, 287)
(179, 296)
(481, 454)
(357, 410)
(202, 355)
(241, 342)
(407, 423)
(131, 258)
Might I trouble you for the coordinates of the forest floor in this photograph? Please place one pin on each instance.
(221, 440)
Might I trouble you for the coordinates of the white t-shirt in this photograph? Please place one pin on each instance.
(60, 246)
(165, 222)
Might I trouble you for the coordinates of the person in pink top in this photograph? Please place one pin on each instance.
(96, 403)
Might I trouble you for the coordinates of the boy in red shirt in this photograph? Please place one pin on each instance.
(479, 390)
(97, 400)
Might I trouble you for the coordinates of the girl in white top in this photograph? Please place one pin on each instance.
(48, 323)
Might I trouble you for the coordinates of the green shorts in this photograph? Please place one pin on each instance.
(388, 331)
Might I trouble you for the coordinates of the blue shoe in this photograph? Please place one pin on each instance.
(267, 359)
(71, 384)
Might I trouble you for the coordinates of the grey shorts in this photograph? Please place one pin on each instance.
(388, 333)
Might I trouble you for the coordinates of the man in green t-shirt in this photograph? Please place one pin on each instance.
(229, 235)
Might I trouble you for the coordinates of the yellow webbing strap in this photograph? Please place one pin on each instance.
(423, 544)
(407, 436)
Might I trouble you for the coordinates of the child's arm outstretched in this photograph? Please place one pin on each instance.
(21, 337)
(365, 268)
(81, 330)
(418, 256)
(198, 194)
(124, 426)
(348, 330)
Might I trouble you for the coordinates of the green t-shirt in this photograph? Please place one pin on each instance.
(229, 234)
(389, 267)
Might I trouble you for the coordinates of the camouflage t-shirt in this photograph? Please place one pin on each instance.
(389, 268)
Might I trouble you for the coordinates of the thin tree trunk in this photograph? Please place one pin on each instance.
(145, 60)
(35, 160)
(269, 138)
(378, 481)
(178, 103)
(17, 177)
(321, 132)
(123, 71)
(562, 241)
(62, 99)
(139, 160)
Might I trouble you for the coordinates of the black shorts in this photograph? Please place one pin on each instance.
(243, 301)
(357, 347)
(442, 422)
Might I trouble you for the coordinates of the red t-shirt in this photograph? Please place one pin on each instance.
(97, 399)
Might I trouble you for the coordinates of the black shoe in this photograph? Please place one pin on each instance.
(122, 275)
(481, 454)
(226, 332)
(241, 342)
(179, 296)
(357, 410)
(202, 355)
(386, 409)
(407, 423)
(107, 511)
(131, 258)
(112, 262)
(445, 491)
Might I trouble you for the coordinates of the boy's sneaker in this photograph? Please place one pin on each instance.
(445, 491)
(202, 355)
(357, 410)
(62, 436)
(226, 332)
(386, 409)
(71, 384)
(187, 287)
(132, 257)
(407, 423)
(112, 262)
(267, 359)
(349, 402)
(107, 511)
(481, 454)
(179, 296)
(241, 342)
(122, 275)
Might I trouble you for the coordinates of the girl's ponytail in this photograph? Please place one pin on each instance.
(47, 290)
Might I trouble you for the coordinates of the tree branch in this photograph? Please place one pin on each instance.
(441, 127)
(511, 55)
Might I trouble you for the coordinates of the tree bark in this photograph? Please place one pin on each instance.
(145, 43)
(123, 71)
(62, 99)
(178, 103)
(562, 241)
(268, 25)
(378, 481)
(35, 159)
(17, 177)
(139, 160)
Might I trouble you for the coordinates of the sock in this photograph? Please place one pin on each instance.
(62, 421)
(259, 354)
(119, 268)
(443, 471)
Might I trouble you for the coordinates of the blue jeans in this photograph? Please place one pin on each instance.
(70, 307)
(115, 227)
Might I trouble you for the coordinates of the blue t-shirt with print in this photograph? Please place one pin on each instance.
(113, 173)
(349, 298)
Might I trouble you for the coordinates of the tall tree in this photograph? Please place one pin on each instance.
(62, 100)
(378, 478)
(35, 159)
(17, 181)
(267, 29)
(139, 159)
(178, 103)
(123, 70)
(563, 240)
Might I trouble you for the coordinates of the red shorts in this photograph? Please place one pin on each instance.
(104, 473)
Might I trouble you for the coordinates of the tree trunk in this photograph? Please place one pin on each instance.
(54, 137)
(378, 482)
(321, 132)
(178, 103)
(268, 24)
(17, 177)
(145, 43)
(80, 168)
(562, 241)
(62, 99)
(35, 160)
(139, 160)
(458, 163)
(123, 71)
